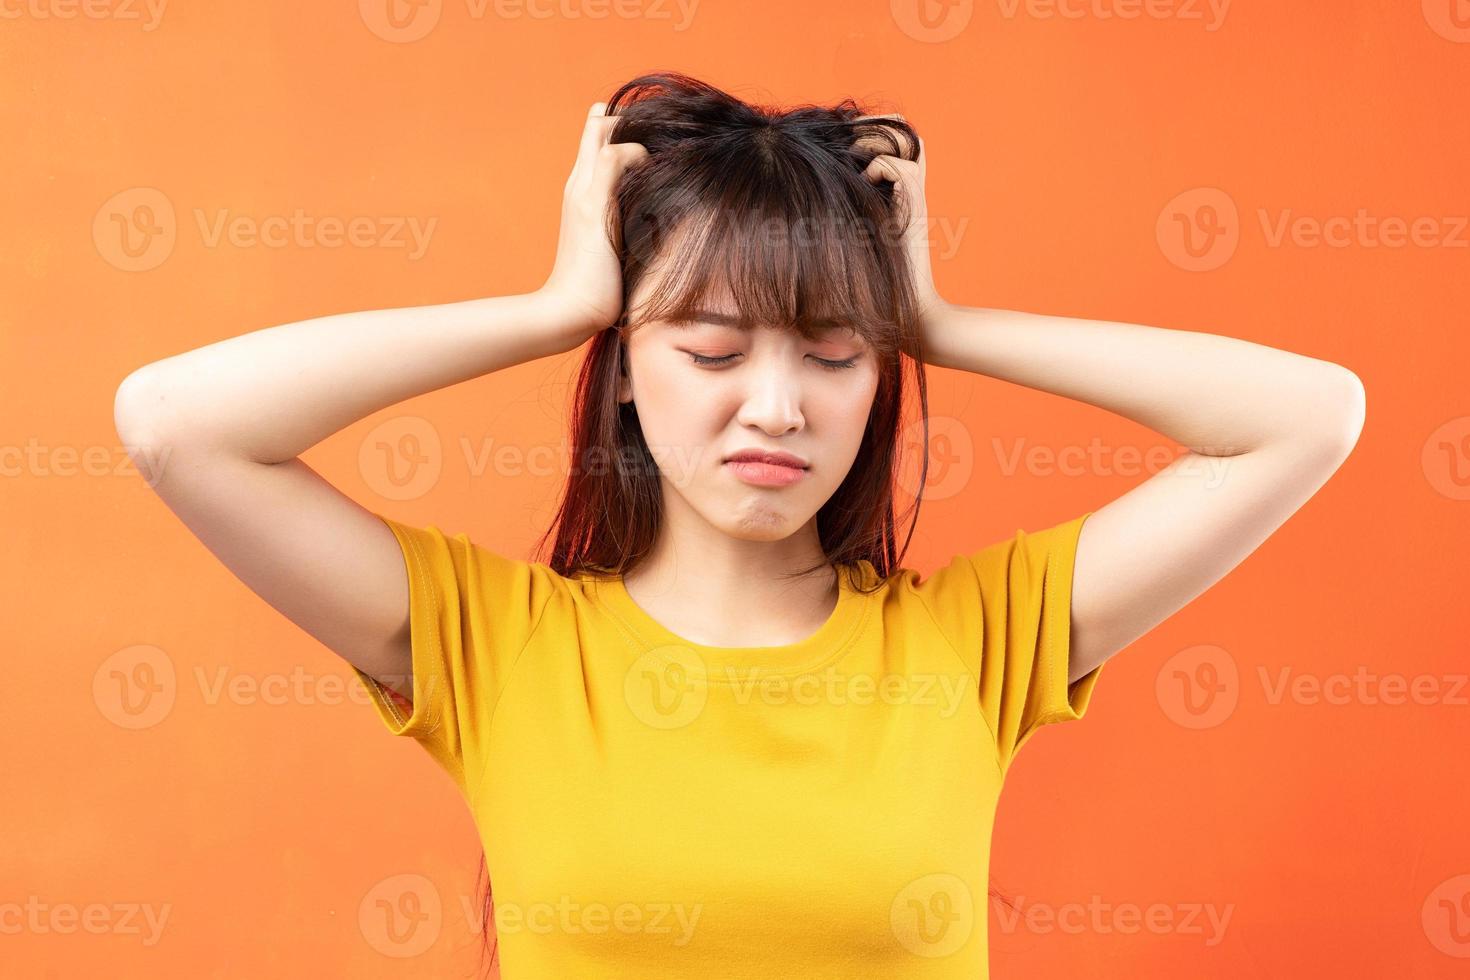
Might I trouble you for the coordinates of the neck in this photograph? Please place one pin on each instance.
(718, 590)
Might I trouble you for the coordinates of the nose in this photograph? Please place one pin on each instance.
(772, 401)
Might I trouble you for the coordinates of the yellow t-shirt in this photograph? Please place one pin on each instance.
(657, 809)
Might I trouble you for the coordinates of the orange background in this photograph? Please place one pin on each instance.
(1332, 834)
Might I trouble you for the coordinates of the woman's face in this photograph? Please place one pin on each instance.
(704, 391)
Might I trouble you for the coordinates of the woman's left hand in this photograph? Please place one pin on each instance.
(907, 177)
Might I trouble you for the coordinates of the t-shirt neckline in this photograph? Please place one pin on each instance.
(720, 663)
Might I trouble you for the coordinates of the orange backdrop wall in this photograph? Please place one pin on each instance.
(195, 788)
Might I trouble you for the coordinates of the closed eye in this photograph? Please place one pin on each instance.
(702, 359)
(828, 364)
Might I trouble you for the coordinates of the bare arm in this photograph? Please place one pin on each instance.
(218, 430)
(1261, 429)
(270, 395)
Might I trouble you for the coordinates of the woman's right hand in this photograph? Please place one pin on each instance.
(585, 288)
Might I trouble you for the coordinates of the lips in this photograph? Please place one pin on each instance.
(769, 457)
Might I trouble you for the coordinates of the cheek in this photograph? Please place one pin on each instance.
(678, 414)
(657, 382)
(847, 409)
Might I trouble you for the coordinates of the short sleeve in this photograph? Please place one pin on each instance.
(1007, 610)
(471, 613)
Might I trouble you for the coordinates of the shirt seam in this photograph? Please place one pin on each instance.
(510, 674)
(1049, 587)
(1048, 591)
(974, 675)
(418, 562)
(843, 644)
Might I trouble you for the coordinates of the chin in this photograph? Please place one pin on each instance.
(761, 521)
(756, 530)
(749, 513)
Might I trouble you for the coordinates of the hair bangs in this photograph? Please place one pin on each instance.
(753, 252)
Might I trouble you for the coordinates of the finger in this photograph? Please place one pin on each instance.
(886, 167)
(602, 126)
(880, 168)
(613, 160)
(592, 138)
(898, 134)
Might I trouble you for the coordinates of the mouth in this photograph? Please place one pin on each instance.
(766, 469)
(769, 458)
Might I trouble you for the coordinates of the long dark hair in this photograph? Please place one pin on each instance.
(769, 207)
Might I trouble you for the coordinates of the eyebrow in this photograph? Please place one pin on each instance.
(709, 316)
(697, 317)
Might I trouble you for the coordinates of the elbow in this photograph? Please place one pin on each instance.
(1341, 412)
(1354, 410)
(135, 409)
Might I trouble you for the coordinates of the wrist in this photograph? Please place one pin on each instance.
(567, 323)
(934, 312)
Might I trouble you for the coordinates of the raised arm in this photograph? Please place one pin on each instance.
(218, 430)
(221, 427)
(1262, 430)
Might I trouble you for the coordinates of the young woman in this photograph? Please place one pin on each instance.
(723, 732)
